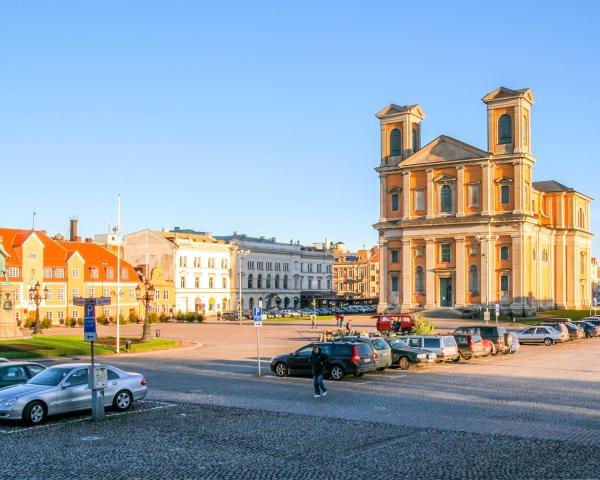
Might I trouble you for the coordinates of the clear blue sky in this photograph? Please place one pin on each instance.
(259, 116)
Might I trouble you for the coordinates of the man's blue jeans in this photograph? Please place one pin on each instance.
(319, 384)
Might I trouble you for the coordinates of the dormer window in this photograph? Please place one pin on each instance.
(505, 129)
(395, 142)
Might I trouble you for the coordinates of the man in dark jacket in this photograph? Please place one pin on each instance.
(317, 364)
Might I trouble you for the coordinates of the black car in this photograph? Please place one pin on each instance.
(341, 358)
(496, 335)
(590, 329)
(14, 373)
(406, 356)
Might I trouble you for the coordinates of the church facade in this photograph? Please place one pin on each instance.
(462, 226)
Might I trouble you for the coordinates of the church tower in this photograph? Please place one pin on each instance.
(400, 132)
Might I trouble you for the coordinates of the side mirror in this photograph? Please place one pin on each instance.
(63, 386)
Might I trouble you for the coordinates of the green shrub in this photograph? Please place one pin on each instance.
(46, 323)
(133, 318)
(179, 316)
(422, 326)
(163, 317)
(30, 323)
(153, 317)
(80, 322)
(70, 322)
(102, 320)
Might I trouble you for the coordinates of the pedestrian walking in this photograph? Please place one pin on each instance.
(348, 327)
(219, 316)
(313, 321)
(338, 321)
(317, 364)
(342, 316)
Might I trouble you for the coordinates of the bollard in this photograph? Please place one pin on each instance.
(157, 333)
(127, 345)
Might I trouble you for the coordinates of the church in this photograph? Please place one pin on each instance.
(463, 226)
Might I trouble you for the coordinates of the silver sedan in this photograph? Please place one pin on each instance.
(539, 334)
(64, 388)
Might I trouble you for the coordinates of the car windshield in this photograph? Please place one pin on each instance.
(50, 377)
(398, 343)
(380, 344)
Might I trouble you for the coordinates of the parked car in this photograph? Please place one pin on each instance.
(4, 359)
(590, 329)
(488, 346)
(14, 373)
(496, 335)
(381, 349)
(444, 346)
(406, 356)
(561, 328)
(395, 322)
(513, 342)
(232, 316)
(470, 346)
(341, 358)
(64, 388)
(575, 331)
(539, 334)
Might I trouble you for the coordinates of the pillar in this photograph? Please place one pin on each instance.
(460, 271)
(485, 296)
(429, 194)
(406, 276)
(383, 198)
(518, 293)
(429, 273)
(460, 191)
(518, 187)
(406, 195)
(486, 190)
(493, 287)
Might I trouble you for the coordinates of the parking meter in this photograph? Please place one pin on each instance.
(97, 382)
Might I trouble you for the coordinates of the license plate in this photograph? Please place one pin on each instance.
(367, 360)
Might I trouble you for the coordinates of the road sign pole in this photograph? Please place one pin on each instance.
(258, 349)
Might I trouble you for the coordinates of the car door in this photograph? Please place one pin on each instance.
(540, 334)
(114, 385)
(299, 362)
(74, 393)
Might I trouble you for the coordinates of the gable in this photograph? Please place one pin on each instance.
(445, 149)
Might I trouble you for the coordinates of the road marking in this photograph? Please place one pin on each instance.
(158, 405)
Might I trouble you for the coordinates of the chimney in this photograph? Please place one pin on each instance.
(89, 240)
(59, 237)
(73, 229)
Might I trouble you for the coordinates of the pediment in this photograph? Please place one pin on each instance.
(445, 149)
(503, 180)
(393, 109)
(445, 179)
(503, 93)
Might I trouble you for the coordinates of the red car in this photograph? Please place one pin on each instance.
(395, 322)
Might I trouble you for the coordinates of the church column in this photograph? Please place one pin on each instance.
(516, 285)
(493, 280)
(406, 195)
(383, 276)
(518, 187)
(460, 191)
(459, 272)
(406, 276)
(429, 273)
(383, 198)
(429, 194)
(485, 296)
(486, 190)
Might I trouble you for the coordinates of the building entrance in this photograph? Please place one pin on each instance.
(445, 292)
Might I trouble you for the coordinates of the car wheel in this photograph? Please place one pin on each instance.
(587, 335)
(381, 369)
(456, 359)
(466, 357)
(548, 341)
(281, 370)
(404, 363)
(337, 373)
(122, 400)
(494, 351)
(34, 413)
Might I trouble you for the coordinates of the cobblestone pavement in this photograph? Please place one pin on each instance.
(212, 442)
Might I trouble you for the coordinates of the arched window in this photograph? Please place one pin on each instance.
(525, 130)
(419, 279)
(250, 281)
(251, 303)
(446, 197)
(269, 280)
(581, 218)
(473, 279)
(505, 129)
(285, 281)
(583, 265)
(395, 142)
(415, 140)
(276, 281)
(259, 281)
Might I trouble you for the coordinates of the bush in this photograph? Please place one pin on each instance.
(153, 317)
(179, 317)
(423, 326)
(30, 323)
(163, 317)
(80, 322)
(133, 318)
(102, 320)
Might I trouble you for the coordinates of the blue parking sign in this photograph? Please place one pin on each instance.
(89, 322)
(257, 314)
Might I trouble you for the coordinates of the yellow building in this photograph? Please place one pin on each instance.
(64, 270)
(356, 274)
(462, 226)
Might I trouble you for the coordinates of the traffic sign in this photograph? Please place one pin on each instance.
(89, 322)
(102, 300)
(497, 310)
(79, 301)
(257, 315)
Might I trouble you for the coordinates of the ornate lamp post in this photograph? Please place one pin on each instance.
(35, 294)
(146, 298)
(240, 253)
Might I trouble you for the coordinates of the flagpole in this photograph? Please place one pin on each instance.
(118, 272)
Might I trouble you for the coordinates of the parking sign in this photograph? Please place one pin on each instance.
(89, 322)
(257, 316)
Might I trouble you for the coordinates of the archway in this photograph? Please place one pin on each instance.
(286, 302)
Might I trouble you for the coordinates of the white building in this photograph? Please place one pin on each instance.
(277, 274)
(197, 263)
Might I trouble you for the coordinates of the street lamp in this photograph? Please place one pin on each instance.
(35, 294)
(146, 298)
(240, 253)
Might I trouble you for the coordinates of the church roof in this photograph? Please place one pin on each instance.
(393, 109)
(551, 186)
(445, 148)
(502, 93)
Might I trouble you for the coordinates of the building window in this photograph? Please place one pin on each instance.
(259, 281)
(260, 266)
(581, 218)
(419, 252)
(419, 280)
(504, 283)
(473, 250)
(48, 315)
(269, 266)
(50, 294)
(395, 256)
(75, 273)
(47, 272)
(13, 272)
(544, 255)
(473, 279)
(445, 252)
(211, 282)
(310, 283)
(183, 261)
(286, 267)
(250, 265)
(395, 284)
(504, 194)
(415, 140)
(59, 273)
(395, 142)
(196, 282)
(61, 294)
(250, 278)
(75, 314)
(505, 129)
(473, 195)
(268, 280)
(277, 266)
(106, 292)
(132, 294)
(90, 292)
(504, 252)
(395, 204)
(419, 200)
(166, 295)
(75, 293)
(61, 314)
(32, 256)
(182, 282)
(124, 274)
(277, 281)
(446, 199)
(94, 272)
